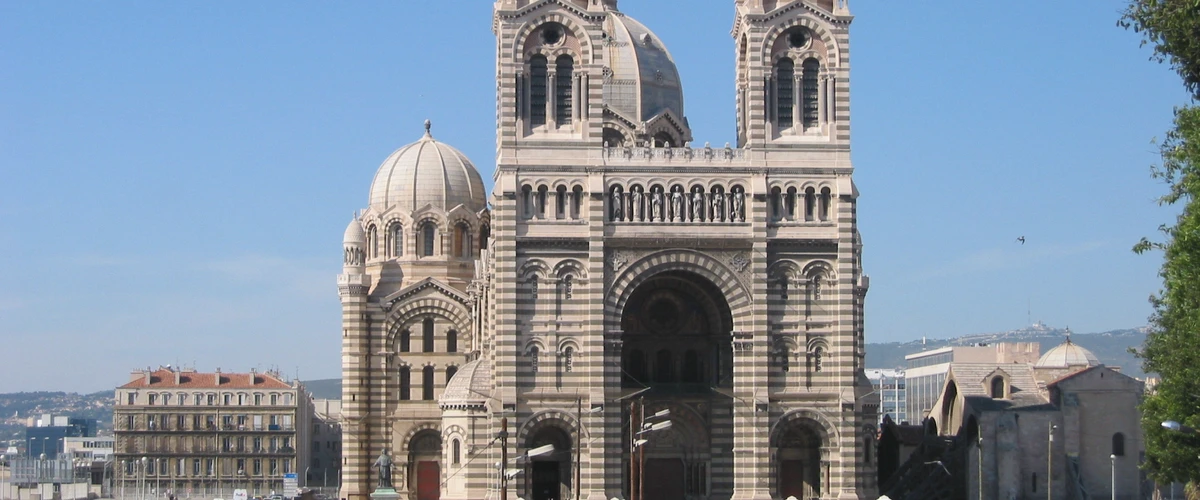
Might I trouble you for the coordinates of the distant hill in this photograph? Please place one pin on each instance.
(1112, 347)
(15, 408)
(330, 388)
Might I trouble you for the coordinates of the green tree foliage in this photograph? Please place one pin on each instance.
(1172, 348)
(1173, 28)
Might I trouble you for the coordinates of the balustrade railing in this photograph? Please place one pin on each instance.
(667, 154)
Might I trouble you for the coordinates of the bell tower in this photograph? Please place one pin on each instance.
(793, 73)
(549, 74)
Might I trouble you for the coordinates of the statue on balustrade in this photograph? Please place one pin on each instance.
(637, 210)
(618, 204)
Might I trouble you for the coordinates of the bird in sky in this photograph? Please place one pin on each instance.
(1021, 240)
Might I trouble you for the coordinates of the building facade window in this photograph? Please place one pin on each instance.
(397, 236)
(427, 335)
(452, 341)
(563, 82)
(428, 234)
(785, 92)
(811, 92)
(405, 383)
(1118, 444)
(537, 91)
(427, 383)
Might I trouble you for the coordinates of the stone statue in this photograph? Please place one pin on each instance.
(718, 207)
(656, 201)
(618, 205)
(636, 196)
(698, 206)
(677, 204)
(739, 205)
(384, 463)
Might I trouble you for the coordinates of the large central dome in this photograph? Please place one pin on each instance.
(641, 81)
(427, 172)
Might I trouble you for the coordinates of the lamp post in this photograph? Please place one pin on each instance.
(142, 483)
(503, 458)
(1050, 460)
(637, 454)
(578, 439)
(980, 450)
(1113, 475)
(1174, 426)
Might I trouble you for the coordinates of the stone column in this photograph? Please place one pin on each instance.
(551, 98)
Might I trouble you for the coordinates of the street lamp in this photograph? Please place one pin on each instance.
(639, 425)
(1050, 460)
(1174, 426)
(142, 484)
(1113, 475)
(579, 436)
(980, 450)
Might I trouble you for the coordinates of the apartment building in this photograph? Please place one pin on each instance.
(194, 434)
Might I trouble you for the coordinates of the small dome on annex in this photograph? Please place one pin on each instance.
(1067, 354)
(470, 387)
(427, 172)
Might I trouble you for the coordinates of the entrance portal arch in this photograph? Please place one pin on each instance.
(723, 279)
(677, 312)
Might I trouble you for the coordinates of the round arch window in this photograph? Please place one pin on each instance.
(797, 38)
(552, 35)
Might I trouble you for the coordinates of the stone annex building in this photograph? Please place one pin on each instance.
(619, 270)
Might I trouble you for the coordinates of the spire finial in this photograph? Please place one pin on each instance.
(1068, 335)
(428, 126)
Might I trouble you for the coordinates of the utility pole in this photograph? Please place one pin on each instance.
(641, 451)
(578, 442)
(504, 458)
(634, 426)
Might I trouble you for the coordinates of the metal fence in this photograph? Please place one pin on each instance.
(30, 470)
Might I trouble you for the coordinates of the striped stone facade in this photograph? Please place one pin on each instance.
(623, 275)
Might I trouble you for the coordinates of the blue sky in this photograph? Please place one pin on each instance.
(175, 177)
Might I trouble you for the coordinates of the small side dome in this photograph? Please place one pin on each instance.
(427, 172)
(1067, 354)
(470, 387)
(355, 234)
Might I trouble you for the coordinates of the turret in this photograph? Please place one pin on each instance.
(354, 248)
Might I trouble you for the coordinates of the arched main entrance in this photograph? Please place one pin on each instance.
(425, 474)
(549, 477)
(677, 346)
(677, 329)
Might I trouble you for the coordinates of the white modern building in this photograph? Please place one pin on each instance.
(892, 389)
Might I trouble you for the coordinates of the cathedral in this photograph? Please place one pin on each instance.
(627, 314)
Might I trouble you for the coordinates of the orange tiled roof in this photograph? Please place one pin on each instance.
(165, 379)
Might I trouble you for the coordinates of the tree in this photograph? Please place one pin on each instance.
(1172, 27)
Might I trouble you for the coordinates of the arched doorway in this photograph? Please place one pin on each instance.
(677, 329)
(425, 474)
(677, 347)
(798, 453)
(548, 477)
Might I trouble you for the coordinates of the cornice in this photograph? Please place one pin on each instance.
(583, 14)
(427, 283)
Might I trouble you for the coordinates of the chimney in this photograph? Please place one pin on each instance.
(146, 376)
(253, 376)
(217, 375)
(176, 377)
